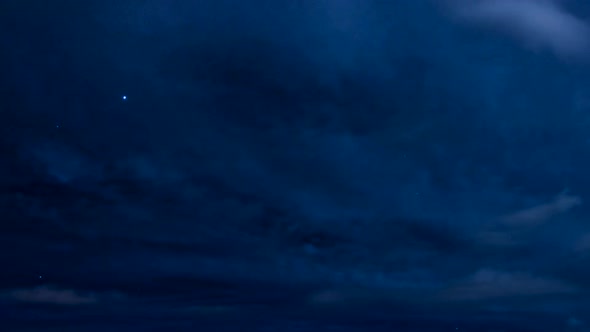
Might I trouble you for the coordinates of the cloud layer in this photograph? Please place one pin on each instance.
(303, 162)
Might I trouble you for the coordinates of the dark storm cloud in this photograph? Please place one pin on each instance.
(326, 156)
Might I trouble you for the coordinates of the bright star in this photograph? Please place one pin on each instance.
(124, 97)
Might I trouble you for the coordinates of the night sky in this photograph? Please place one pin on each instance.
(296, 165)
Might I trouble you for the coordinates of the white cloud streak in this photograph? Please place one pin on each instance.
(538, 24)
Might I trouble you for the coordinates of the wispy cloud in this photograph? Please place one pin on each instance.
(489, 284)
(537, 23)
(543, 212)
(50, 295)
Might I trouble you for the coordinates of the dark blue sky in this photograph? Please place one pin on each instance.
(328, 165)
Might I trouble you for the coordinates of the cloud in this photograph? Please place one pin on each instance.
(330, 148)
(489, 284)
(541, 213)
(537, 23)
(518, 228)
(48, 295)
